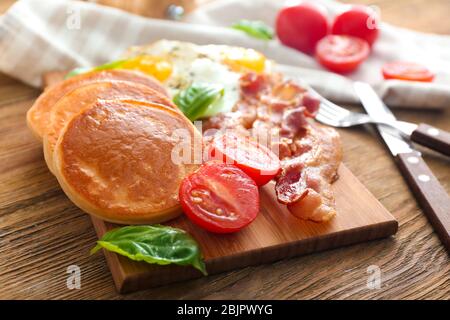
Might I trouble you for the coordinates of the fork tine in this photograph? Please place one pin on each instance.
(328, 109)
(337, 110)
(326, 120)
(327, 112)
(330, 106)
(336, 116)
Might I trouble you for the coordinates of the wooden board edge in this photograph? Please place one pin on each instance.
(249, 258)
(112, 259)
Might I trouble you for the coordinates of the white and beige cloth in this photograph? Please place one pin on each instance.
(37, 36)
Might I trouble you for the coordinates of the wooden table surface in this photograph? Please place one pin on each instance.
(42, 233)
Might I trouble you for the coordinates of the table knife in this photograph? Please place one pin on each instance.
(425, 135)
(430, 194)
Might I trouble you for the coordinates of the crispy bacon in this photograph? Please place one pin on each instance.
(305, 181)
(310, 153)
(311, 104)
(293, 122)
(252, 83)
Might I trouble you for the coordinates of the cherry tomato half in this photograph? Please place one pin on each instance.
(219, 197)
(358, 21)
(407, 71)
(257, 161)
(341, 54)
(301, 26)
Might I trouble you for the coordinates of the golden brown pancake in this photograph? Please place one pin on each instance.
(38, 115)
(83, 97)
(114, 161)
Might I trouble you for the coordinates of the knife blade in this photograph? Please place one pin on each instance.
(380, 112)
(430, 194)
(431, 137)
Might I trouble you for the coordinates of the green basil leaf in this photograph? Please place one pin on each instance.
(256, 29)
(195, 100)
(76, 72)
(157, 244)
(110, 65)
(107, 66)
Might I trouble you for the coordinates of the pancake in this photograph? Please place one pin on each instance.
(113, 160)
(83, 97)
(38, 114)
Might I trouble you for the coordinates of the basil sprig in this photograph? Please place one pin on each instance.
(107, 66)
(157, 244)
(110, 65)
(256, 29)
(195, 100)
(77, 71)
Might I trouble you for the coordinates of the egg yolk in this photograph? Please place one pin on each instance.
(157, 67)
(242, 60)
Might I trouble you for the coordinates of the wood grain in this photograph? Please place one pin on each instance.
(42, 233)
(274, 235)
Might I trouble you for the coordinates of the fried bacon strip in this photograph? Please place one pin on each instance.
(310, 153)
(304, 184)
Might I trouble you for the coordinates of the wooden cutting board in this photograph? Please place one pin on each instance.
(274, 235)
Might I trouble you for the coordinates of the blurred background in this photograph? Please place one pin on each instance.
(420, 15)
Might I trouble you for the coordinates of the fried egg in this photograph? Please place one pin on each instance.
(180, 64)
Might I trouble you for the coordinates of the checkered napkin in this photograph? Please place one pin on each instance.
(37, 36)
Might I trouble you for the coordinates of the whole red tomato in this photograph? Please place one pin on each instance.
(357, 21)
(301, 26)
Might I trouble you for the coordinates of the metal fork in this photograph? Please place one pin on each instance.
(426, 135)
(336, 116)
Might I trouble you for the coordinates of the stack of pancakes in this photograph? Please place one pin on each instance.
(108, 138)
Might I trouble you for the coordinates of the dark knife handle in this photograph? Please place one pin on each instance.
(430, 194)
(433, 138)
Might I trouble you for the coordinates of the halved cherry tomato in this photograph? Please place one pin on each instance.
(407, 71)
(219, 197)
(341, 53)
(257, 161)
(302, 25)
(358, 21)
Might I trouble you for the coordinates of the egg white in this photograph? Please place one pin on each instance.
(198, 64)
